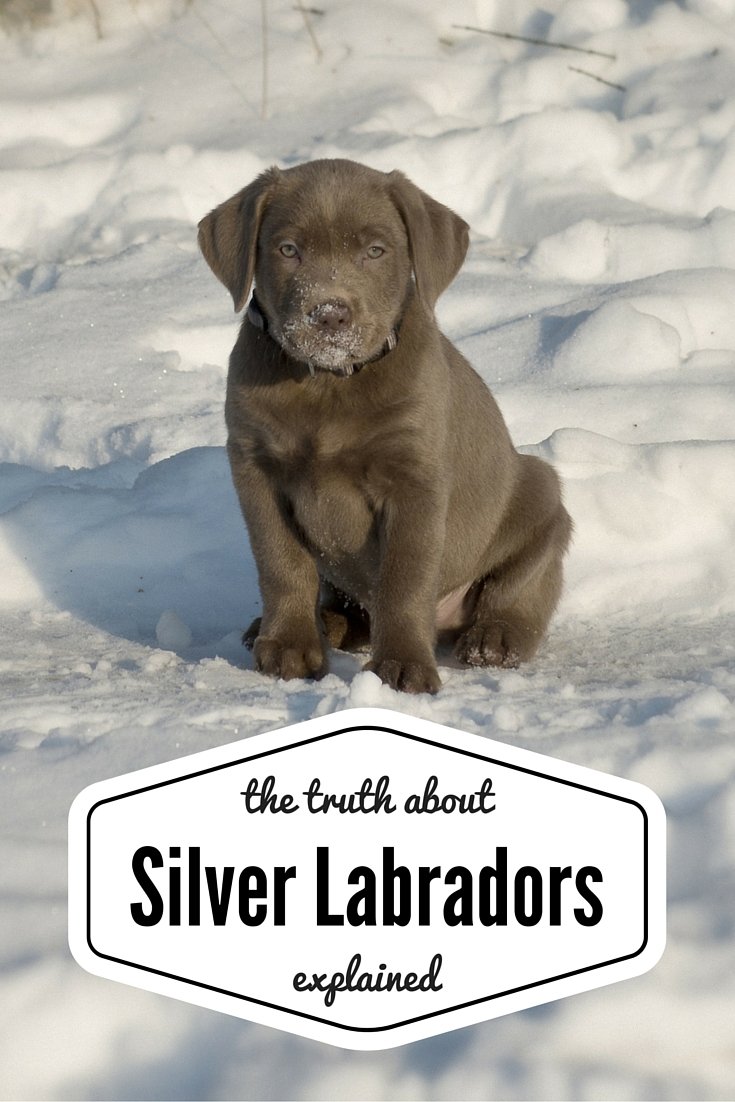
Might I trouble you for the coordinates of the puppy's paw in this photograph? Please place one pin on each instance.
(251, 634)
(290, 659)
(488, 645)
(346, 630)
(408, 677)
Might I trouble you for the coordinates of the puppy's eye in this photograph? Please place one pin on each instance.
(375, 251)
(288, 249)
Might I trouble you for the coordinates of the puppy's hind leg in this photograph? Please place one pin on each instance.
(507, 632)
(346, 624)
(517, 597)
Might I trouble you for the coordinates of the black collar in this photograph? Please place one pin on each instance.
(257, 318)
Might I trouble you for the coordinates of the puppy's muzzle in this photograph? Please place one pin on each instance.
(334, 316)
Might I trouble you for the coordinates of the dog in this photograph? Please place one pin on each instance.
(385, 502)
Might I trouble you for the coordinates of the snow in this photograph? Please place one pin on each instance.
(597, 302)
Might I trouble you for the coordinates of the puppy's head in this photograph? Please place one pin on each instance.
(331, 246)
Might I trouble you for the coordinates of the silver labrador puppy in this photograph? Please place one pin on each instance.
(384, 499)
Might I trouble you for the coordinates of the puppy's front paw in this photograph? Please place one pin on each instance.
(290, 658)
(408, 677)
(487, 645)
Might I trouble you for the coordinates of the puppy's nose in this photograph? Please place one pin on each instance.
(333, 315)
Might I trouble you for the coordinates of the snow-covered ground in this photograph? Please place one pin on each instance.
(598, 303)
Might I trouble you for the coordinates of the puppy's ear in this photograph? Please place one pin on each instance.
(438, 238)
(228, 235)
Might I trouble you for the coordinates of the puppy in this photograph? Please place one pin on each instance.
(384, 499)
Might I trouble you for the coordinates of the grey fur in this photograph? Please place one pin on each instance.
(382, 493)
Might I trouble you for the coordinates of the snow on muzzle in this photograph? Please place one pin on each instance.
(326, 336)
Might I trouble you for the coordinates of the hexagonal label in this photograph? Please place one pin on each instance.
(367, 879)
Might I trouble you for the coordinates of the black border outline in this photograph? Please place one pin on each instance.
(327, 1021)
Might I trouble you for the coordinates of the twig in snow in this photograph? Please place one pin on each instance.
(601, 80)
(264, 48)
(221, 43)
(96, 18)
(535, 41)
(310, 29)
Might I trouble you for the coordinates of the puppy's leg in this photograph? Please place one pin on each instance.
(346, 624)
(516, 599)
(288, 642)
(507, 632)
(403, 614)
(251, 633)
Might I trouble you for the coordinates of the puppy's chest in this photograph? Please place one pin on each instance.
(330, 484)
